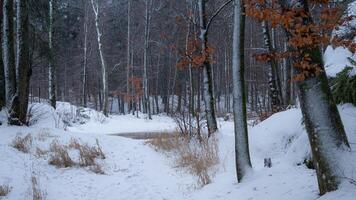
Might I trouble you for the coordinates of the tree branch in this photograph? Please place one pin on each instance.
(217, 12)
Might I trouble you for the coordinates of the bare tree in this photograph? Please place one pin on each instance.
(104, 73)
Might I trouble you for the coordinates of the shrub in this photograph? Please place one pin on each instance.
(60, 156)
(22, 144)
(344, 87)
(4, 190)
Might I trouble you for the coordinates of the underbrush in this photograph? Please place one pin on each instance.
(73, 154)
(199, 157)
(4, 190)
(22, 144)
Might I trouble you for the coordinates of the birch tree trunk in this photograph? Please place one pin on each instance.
(85, 57)
(128, 58)
(8, 50)
(147, 106)
(322, 120)
(207, 71)
(51, 67)
(242, 155)
(274, 79)
(104, 73)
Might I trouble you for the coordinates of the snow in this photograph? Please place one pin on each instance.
(336, 60)
(134, 170)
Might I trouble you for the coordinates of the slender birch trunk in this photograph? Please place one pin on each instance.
(207, 71)
(104, 73)
(147, 106)
(128, 58)
(274, 79)
(242, 154)
(85, 57)
(51, 67)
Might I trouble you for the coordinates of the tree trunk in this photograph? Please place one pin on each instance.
(51, 67)
(128, 58)
(242, 155)
(104, 73)
(274, 80)
(207, 71)
(147, 107)
(85, 57)
(322, 120)
(2, 72)
(18, 114)
(8, 50)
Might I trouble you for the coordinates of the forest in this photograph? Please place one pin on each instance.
(177, 99)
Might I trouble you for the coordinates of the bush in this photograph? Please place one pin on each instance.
(4, 190)
(344, 87)
(37, 193)
(22, 144)
(60, 156)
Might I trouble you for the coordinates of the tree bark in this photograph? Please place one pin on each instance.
(8, 50)
(2, 72)
(207, 71)
(51, 67)
(242, 155)
(322, 120)
(18, 114)
(104, 73)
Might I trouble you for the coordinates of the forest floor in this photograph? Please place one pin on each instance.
(133, 170)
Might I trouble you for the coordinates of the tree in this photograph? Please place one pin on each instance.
(322, 120)
(2, 72)
(8, 50)
(23, 61)
(104, 73)
(51, 66)
(242, 154)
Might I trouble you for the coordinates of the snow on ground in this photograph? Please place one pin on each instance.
(134, 171)
(337, 59)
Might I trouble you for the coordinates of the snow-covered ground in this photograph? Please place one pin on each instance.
(135, 171)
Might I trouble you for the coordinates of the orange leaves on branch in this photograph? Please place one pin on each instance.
(193, 55)
(303, 34)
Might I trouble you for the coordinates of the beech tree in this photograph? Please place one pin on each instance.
(322, 120)
(242, 154)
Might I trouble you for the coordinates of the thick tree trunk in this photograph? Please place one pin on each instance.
(242, 155)
(128, 58)
(18, 114)
(322, 120)
(207, 72)
(8, 50)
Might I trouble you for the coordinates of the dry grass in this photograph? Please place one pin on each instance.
(198, 157)
(4, 190)
(87, 155)
(22, 144)
(37, 193)
(60, 156)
